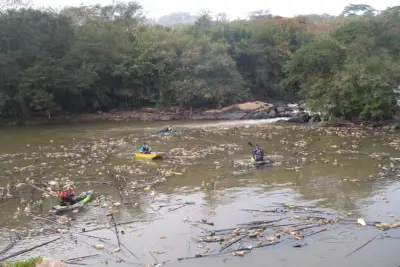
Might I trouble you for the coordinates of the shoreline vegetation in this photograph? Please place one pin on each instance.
(111, 63)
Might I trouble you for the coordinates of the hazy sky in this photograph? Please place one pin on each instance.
(234, 9)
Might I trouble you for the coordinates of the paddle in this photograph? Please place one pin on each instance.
(251, 144)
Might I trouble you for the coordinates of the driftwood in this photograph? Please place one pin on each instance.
(183, 205)
(105, 227)
(169, 205)
(92, 236)
(294, 206)
(7, 248)
(116, 229)
(11, 245)
(48, 220)
(287, 224)
(80, 258)
(204, 221)
(39, 189)
(365, 244)
(111, 244)
(307, 227)
(233, 242)
(129, 251)
(28, 249)
(236, 250)
(111, 254)
(155, 259)
(314, 233)
(273, 211)
(264, 222)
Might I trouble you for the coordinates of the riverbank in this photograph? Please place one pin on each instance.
(279, 111)
(243, 111)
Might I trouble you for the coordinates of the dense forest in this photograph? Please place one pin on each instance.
(102, 58)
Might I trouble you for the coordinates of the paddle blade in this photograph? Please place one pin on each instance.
(249, 143)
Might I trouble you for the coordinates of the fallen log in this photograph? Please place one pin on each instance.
(28, 249)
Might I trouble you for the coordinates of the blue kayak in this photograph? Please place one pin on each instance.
(166, 133)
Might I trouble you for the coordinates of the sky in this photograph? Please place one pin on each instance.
(239, 9)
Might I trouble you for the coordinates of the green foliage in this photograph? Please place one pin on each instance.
(101, 58)
(26, 263)
(354, 72)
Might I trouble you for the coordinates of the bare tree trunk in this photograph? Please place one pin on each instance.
(25, 110)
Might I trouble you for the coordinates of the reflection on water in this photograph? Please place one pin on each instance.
(330, 168)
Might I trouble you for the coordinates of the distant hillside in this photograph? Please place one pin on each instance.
(177, 18)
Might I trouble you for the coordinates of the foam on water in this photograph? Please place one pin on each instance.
(233, 123)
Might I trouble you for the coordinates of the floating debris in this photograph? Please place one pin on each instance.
(361, 222)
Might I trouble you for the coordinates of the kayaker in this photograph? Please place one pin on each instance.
(68, 195)
(166, 129)
(145, 149)
(258, 153)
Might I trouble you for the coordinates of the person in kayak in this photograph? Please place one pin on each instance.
(166, 129)
(145, 149)
(68, 195)
(258, 153)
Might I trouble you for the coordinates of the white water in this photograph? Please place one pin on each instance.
(185, 125)
(232, 123)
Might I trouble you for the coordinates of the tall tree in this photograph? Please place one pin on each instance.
(356, 10)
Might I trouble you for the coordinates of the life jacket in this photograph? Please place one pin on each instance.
(66, 195)
(259, 155)
(145, 149)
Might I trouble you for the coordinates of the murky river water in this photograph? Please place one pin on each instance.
(340, 171)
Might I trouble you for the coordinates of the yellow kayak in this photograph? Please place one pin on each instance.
(153, 155)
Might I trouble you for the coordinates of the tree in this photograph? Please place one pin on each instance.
(107, 57)
(356, 10)
(311, 67)
(203, 23)
(33, 43)
(259, 14)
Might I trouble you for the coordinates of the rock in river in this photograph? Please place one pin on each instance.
(300, 118)
(314, 119)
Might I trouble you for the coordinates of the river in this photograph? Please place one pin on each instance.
(342, 172)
